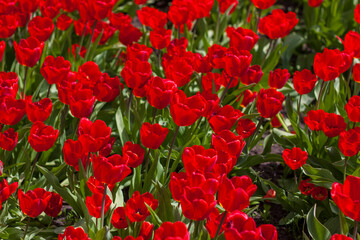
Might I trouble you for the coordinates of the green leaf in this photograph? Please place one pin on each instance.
(124, 137)
(320, 176)
(315, 228)
(156, 220)
(103, 234)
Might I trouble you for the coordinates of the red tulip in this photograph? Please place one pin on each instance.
(179, 13)
(33, 202)
(315, 3)
(245, 127)
(6, 190)
(55, 70)
(186, 110)
(357, 13)
(93, 135)
(8, 25)
(159, 92)
(198, 159)
(269, 102)
(28, 52)
(169, 230)
(107, 89)
(152, 17)
(104, 30)
(133, 153)
(304, 81)
(119, 19)
(306, 187)
(351, 43)
(118, 219)
(153, 135)
(94, 204)
(234, 193)
(226, 4)
(329, 64)
(8, 84)
(314, 118)
(11, 110)
(248, 97)
(349, 142)
(346, 197)
(339, 237)
(74, 233)
(28, 6)
(139, 52)
(42, 137)
(63, 22)
(319, 193)
(2, 49)
(54, 206)
(224, 118)
(332, 124)
(96, 186)
(278, 78)
(295, 157)
(8, 139)
(263, 4)
(196, 204)
(135, 208)
(253, 75)
(73, 151)
(110, 170)
(179, 70)
(353, 108)
(100, 9)
(81, 102)
(136, 73)
(227, 141)
(38, 111)
(160, 38)
(237, 62)
(242, 38)
(278, 24)
(201, 64)
(41, 28)
(210, 79)
(129, 34)
(356, 71)
(146, 230)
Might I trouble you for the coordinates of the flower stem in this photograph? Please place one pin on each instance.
(89, 45)
(103, 206)
(23, 94)
(82, 40)
(345, 163)
(225, 91)
(32, 170)
(355, 230)
(27, 227)
(48, 92)
(154, 115)
(220, 225)
(169, 155)
(298, 107)
(217, 25)
(320, 95)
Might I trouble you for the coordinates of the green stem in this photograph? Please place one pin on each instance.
(27, 227)
(320, 95)
(298, 107)
(217, 25)
(220, 225)
(258, 21)
(154, 115)
(147, 161)
(81, 41)
(345, 163)
(89, 45)
(48, 92)
(271, 46)
(251, 138)
(103, 207)
(225, 91)
(355, 230)
(169, 155)
(26, 71)
(32, 170)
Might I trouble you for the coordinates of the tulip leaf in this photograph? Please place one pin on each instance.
(317, 230)
(103, 234)
(320, 176)
(156, 220)
(124, 137)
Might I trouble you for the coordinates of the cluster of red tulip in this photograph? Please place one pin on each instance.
(213, 93)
